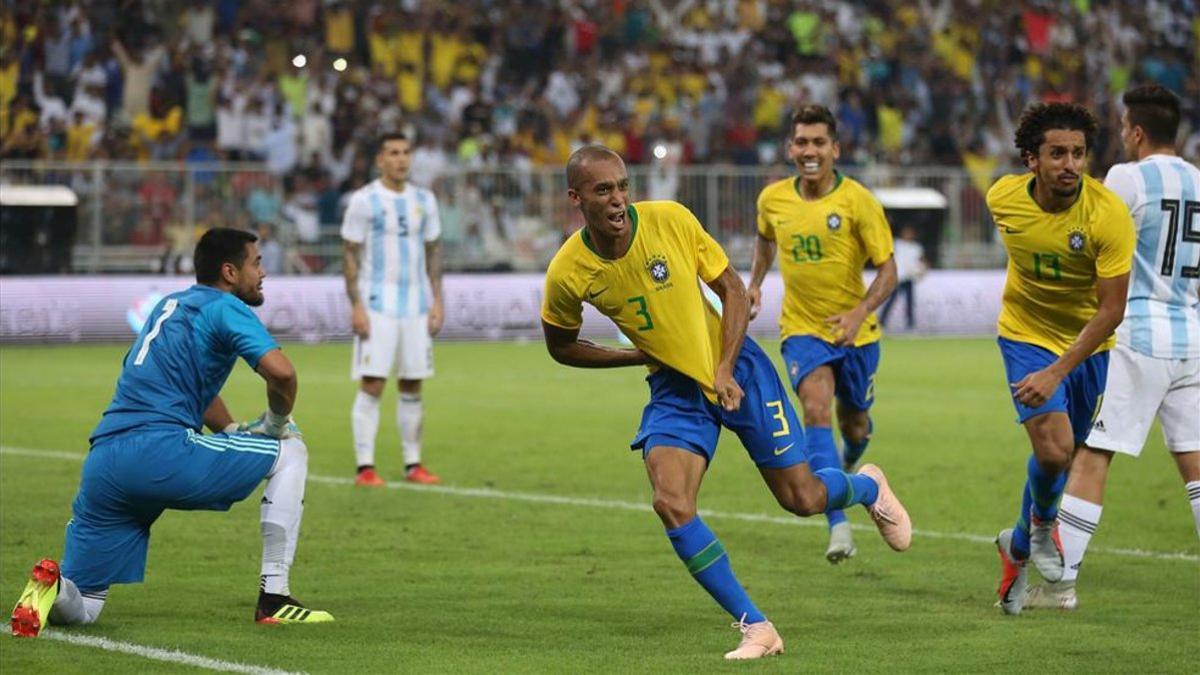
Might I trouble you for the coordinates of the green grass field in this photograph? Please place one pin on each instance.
(541, 555)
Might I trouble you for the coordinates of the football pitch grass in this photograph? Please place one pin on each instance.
(540, 552)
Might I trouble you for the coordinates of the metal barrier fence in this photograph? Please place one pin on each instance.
(145, 217)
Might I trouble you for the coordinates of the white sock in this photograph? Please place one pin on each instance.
(1193, 493)
(364, 421)
(408, 417)
(282, 508)
(73, 607)
(1077, 522)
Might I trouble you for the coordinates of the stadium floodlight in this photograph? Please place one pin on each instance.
(339, 64)
(299, 60)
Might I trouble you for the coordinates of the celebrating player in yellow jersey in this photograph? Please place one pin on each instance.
(641, 264)
(1070, 243)
(828, 226)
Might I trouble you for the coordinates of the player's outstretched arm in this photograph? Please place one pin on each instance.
(764, 255)
(565, 347)
(735, 317)
(1035, 388)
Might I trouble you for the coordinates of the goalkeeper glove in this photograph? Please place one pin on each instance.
(272, 424)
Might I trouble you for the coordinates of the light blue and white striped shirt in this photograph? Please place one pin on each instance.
(393, 228)
(1162, 317)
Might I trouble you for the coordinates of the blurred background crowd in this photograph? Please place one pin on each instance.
(304, 86)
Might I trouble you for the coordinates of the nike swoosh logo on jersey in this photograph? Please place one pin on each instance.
(593, 296)
(1009, 230)
(780, 451)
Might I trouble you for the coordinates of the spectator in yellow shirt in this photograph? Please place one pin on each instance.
(157, 132)
(81, 138)
(339, 28)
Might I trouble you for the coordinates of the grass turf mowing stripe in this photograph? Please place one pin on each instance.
(537, 498)
(156, 653)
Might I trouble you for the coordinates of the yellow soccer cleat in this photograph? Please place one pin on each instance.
(283, 609)
(29, 616)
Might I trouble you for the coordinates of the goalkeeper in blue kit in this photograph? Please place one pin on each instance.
(148, 452)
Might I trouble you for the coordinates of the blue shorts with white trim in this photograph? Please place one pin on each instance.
(130, 479)
(1078, 395)
(853, 367)
(679, 415)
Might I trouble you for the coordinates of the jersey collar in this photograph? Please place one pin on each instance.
(633, 223)
(838, 177)
(389, 190)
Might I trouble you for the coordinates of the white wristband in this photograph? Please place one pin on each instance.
(275, 422)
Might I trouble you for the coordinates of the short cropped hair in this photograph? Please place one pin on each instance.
(218, 246)
(382, 141)
(585, 154)
(1155, 109)
(815, 114)
(1042, 117)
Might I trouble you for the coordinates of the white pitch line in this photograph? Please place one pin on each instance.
(155, 653)
(538, 498)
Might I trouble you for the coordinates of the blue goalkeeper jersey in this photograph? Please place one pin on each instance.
(181, 359)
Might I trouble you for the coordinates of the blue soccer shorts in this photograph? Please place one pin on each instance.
(1078, 395)
(130, 479)
(679, 415)
(853, 367)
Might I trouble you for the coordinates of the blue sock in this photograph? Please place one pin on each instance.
(708, 564)
(853, 451)
(822, 453)
(1020, 540)
(1046, 490)
(846, 489)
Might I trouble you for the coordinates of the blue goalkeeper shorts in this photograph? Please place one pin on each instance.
(130, 479)
(679, 415)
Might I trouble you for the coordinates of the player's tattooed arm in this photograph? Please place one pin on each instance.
(359, 322)
(350, 252)
(433, 264)
(735, 317)
(217, 418)
(764, 255)
(567, 348)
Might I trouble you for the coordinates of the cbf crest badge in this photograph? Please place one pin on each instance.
(1076, 241)
(657, 267)
(834, 221)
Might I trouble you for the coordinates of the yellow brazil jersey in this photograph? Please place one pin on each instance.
(1054, 259)
(652, 292)
(824, 244)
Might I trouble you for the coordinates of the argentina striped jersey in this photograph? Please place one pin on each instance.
(1162, 318)
(393, 228)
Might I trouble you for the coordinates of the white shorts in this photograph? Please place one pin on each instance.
(1138, 388)
(395, 345)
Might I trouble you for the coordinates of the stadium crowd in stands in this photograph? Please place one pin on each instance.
(522, 83)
